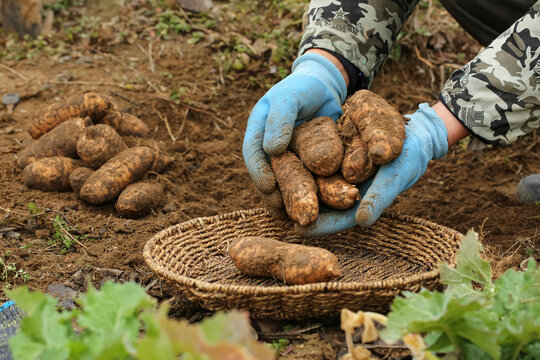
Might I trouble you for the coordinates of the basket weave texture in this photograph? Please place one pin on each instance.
(397, 253)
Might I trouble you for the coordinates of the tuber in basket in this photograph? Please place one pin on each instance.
(398, 253)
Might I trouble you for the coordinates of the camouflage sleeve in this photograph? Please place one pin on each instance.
(362, 31)
(497, 94)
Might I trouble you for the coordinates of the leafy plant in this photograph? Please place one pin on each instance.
(475, 317)
(64, 235)
(279, 345)
(60, 5)
(34, 209)
(170, 22)
(11, 271)
(121, 321)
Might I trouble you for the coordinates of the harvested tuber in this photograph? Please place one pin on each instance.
(297, 187)
(61, 141)
(318, 145)
(291, 263)
(107, 182)
(274, 205)
(126, 124)
(162, 161)
(78, 177)
(337, 193)
(357, 165)
(90, 104)
(381, 125)
(50, 174)
(98, 144)
(138, 199)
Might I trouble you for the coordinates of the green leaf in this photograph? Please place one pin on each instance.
(499, 320)
(478, 327)
(112, 307)
(470, 265)
(532, 351)
(110, 318)
(517, 301)
(427, 311)
(223, 336)
(438, 342)
(157, 343)
(471, 352)
(111, 328)
(32, 207)
(234, 328)
(44, 332)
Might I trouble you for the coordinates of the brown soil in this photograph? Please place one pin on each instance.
(464, 190)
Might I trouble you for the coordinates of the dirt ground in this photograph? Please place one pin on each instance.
(204, 132)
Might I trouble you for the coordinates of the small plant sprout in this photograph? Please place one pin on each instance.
(10, 271)
(64, 235)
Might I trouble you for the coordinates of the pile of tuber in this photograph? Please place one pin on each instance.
(50, 173)
(126, 124)
(84, 144)
(61, 141)
(138, 199)
(107, 182)
(98, 144)
(90, 104)
(326, 161)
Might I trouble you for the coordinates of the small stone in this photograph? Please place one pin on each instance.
(78, 277)
(179, 146)
(65, 295)
(170, 207)
(12, 234)
(528, 189)
(195, 5)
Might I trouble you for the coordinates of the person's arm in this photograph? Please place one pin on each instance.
(456, 130)
(496, 96)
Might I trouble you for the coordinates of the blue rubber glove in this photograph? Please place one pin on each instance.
(315, 88)
(425, 140)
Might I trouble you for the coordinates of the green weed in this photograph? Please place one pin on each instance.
(279, 345)
(10, 271)
(64, 235)
(62, 5)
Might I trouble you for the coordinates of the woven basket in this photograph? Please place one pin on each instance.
(398, 253)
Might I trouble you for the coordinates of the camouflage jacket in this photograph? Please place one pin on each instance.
(496, 95)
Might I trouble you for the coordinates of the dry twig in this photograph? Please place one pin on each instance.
(166, 121)
(126, 98)
(425, 61)
(14, 72)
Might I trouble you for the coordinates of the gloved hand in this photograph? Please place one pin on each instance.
(315, 88)
(425, 140)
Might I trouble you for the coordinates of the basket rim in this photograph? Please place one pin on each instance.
(257, 290)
